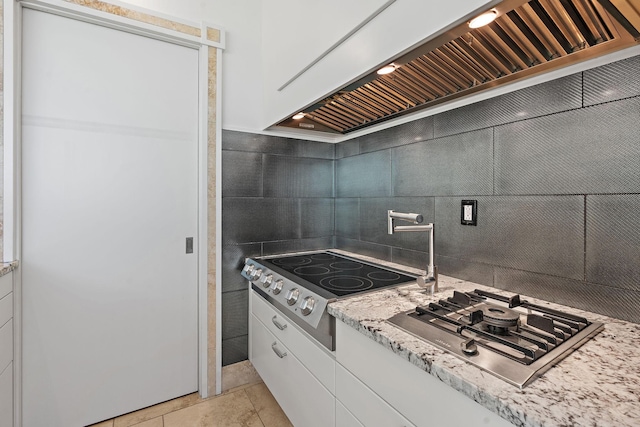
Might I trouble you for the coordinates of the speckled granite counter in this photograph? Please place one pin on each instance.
(6, 267)
(597, 385)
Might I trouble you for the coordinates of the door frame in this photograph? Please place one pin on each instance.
(209, 40)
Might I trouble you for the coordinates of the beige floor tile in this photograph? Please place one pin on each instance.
(108, 423)
(268, 409)
(228, 410)
(152, 412)
(156, 422)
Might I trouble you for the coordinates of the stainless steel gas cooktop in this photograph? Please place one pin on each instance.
(510, 338)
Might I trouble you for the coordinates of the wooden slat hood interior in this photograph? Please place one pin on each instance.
(527, 38)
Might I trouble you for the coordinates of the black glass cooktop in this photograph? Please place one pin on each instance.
(337, 274)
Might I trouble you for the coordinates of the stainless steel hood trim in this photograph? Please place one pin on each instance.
(528, 39)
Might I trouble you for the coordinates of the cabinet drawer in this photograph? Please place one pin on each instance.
(418, 396)
(6, 345)
(6, 396)
(317, 359)
(344, 418)
(6, 308)
(302, 397)
(364, 404)
(6, 284)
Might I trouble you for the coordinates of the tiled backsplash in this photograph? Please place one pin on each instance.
(554, 169)
(277, 196)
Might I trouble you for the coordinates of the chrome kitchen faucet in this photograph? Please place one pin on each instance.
(431, 278)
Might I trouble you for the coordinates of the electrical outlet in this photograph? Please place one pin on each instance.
(469, 212)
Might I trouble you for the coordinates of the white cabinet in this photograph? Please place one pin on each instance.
(6, 350)
(302, 396)
(344, 418)
(363, 403)
(418, 396)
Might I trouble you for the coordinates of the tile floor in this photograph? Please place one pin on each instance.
(246, 406)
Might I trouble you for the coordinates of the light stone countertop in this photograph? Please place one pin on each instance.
(596, 385)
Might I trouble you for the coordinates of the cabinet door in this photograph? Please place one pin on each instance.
(6, 396)
(417, 395)
(344, 418)
(364, 404)
(301, 396)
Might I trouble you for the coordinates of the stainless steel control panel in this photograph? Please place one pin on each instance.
(299, 301)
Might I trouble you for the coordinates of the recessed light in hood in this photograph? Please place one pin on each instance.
(484, 19)
(387, 69)
(527, 38)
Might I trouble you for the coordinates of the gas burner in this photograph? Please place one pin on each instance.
(506, 336)
(346, 283)
(311, 270)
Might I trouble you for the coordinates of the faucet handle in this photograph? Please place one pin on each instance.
(429, 281)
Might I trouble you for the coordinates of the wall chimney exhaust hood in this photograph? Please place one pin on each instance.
(527, 38)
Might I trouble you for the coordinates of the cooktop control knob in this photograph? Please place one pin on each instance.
(306, 306)
(256, 274)
(277, 287)
(469, 347)
(292, 296)
(248, 269)
(266, 280)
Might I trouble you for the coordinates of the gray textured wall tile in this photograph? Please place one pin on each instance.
(461, 164)
(255, 143)
(367, 175)
(248, 220)
(364, 248)
(318, 150)
(613, 81)
(348, 218)
(235, 314)
(299, 245)
(542, 234)
(610, 301)
(593, 150)
(407, 133)
(347, 148)
(317, 218)
(241, 174)
(297, 177)
(235, 350)
(232, 262)
(415, 259)
(373, 221)
(546, 98)
(465, 269)
(613, 240)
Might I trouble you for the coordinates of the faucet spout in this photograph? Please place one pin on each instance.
(430, 279)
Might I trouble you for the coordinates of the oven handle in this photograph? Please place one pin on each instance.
(279, 353)
(279, 325)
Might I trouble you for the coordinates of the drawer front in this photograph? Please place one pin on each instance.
(364, 404)
(317, 359)
(418, 396)
(6, 344)
(6, 308)
(344, 418)
(6, 284)
(302, 397)
(6, 396)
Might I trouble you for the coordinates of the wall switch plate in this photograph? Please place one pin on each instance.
(469, 212)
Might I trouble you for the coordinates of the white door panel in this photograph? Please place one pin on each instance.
(109, 187)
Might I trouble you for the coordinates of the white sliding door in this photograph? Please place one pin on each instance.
(109, 196)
